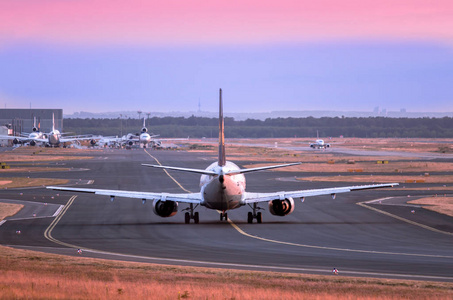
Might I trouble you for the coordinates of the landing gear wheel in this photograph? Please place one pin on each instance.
(225, 215)
(259, 219)
(221, 216)
(250, 217)
(196, 217)
(187, 218)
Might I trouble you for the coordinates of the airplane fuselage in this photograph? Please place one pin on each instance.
(145, 138)
(222, 192)
(54, 137)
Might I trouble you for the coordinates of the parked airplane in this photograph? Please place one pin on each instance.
(222, 188)
(31, 138)
(319, 144)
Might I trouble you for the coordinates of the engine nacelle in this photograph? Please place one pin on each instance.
(130, 143)
(165, 209)
(32, 143)
(34, 129)
(281, 207)
(16, 141)
(144, 129)
(93, 142)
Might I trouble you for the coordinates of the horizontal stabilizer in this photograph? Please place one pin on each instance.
(241, 171)
(198, 171)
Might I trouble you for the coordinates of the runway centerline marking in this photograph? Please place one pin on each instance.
(364, 204)
(168, 174)
(48, 232)
(241, 231)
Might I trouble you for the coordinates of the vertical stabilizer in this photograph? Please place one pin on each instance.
(53, 122)
(144, 125)
(222, 159)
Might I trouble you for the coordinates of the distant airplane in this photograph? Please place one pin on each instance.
(222, 188)
(36, 136)
(319, 144)
(145, 139)
(55, 137)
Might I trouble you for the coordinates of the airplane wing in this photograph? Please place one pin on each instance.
(263, 197)
(12, 137)
(67, 140)
(184, 198)
(173, 139)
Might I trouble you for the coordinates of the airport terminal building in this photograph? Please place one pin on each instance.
(21, 120)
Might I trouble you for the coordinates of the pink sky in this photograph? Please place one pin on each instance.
(170, 22)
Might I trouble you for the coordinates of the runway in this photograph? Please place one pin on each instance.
(321, 233)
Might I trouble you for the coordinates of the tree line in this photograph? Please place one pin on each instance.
(198, 127)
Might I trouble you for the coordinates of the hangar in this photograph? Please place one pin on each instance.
(21, 120)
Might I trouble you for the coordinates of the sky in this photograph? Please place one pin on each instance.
(114, 55)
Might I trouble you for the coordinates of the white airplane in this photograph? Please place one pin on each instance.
(222, 188)
(145, 139)
(36, 136)
(319, 144)
(55, 137)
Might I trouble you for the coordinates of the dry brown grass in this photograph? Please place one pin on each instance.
(32, 169)
(443, 205)
(29, 154)
(8, 209)
(18, 182)
(382, 178)
(27, 274)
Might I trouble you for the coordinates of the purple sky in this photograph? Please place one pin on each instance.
(102, 56)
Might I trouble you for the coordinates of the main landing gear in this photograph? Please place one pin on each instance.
(254, 215)
(191, 215)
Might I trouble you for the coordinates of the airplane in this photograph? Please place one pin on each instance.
(55, 137)
(145, 139)
(319, 144)
(222, 188)
(36, 136)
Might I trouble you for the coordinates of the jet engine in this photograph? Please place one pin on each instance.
(281, 207)
(144, 129)
(165, 209)
(130, 143)
(93, 142)
(32, 143)
(16, 141)
(35, 129)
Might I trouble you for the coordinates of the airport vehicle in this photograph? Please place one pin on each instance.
(222, 188)
(319, 143)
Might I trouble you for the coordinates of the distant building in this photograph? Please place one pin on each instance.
(4, 130)
(21, 120)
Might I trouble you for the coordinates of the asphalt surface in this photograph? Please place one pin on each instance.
(372, 239)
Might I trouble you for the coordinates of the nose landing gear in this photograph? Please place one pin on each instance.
(223, 216)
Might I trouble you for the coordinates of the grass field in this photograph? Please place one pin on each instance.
(32, 275)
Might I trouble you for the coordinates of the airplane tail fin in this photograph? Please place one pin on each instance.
(53, 122)
(222, 159)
